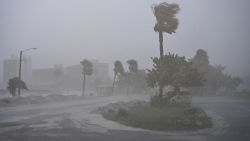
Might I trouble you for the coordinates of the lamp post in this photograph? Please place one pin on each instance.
(20, 65)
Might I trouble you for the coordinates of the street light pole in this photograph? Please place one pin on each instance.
(20, 66)
(20, 71)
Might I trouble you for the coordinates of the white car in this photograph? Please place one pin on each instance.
(181, 97)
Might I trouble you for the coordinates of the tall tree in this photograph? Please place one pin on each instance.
(133, 68)
(87, 70)
(15, 83)
(178, 72)
(165, 14)
(118, 69)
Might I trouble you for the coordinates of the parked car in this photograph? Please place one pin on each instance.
(182, 97)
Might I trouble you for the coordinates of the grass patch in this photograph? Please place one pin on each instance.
(169, 118)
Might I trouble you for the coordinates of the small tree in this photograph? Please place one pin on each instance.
(231, 83)
(87, 70)
(118, 69)
(175, 71)
(133, 68)
(15, 83)
(217, 79)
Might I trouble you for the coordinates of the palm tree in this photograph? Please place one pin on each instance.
(87, 70)
(133, 68)
(15, 83)
(118, 69)
(166, 22)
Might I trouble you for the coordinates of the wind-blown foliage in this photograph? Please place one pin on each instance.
(87, 67)
(118, 67)
(15, 83)
(175, 71)
(201, 61)
(216, 79)
(231, 83)
(165, 16)
(133, 66)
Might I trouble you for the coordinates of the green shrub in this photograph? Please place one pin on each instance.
(111, 111)
(193, 111)
(122, 112)
(168, 118)
(157, 101)
(6, 100)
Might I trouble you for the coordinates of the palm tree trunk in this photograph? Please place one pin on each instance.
(161, 44)
(83, 87)
(113, 83)
(161, 57)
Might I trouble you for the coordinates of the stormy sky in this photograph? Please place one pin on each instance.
(67, 31)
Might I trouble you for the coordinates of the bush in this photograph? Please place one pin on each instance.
(193, 111)
(122, 112)
(168, 118)
(157, 101)
(197, 117)
(6, 100)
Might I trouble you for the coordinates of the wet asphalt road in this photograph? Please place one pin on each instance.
(235, 112)
(75, 122)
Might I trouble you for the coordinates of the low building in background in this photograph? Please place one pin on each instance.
(70, 78)
(45, 79)
(131, 83)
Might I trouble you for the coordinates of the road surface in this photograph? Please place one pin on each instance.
(74, 121)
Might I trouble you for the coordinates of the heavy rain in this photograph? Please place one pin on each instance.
(124, 70)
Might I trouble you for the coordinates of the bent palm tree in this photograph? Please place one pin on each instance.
(118, 69)
(166, 22)
(87, 70)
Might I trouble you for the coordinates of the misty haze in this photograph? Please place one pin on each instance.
(124, 70)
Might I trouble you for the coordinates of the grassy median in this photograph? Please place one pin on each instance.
(169, 118)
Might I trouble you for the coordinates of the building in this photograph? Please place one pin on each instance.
(47, 78)
(71, 78)
(131, 82)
